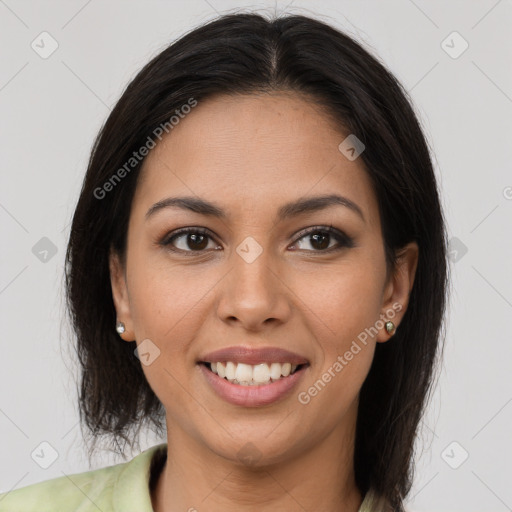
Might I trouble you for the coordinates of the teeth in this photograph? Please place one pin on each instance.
(252, 375)
(261, 373)
(230, 370)
(275, 371)
(243, 372)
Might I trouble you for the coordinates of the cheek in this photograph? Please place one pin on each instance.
(343, 305)
(169, 305)
(167, 302)
(342, 300)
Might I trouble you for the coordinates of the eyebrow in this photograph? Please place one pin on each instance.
(299, 207)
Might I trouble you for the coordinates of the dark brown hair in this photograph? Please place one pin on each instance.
(244, 54)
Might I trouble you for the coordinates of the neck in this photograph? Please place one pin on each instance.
(195, 478)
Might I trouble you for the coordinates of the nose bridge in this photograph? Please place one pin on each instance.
(253, 292)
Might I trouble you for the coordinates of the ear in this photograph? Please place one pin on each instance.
(120, 295)
(398, 288)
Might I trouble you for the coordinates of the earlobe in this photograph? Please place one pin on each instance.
(120, 297)
(398, 289)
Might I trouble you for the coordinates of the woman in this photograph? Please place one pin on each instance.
(260, 220)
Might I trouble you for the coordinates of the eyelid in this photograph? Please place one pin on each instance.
(166, 240)
(313, 229)
(343, 239)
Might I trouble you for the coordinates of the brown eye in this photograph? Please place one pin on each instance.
(196, 241)
(320, 239)
(189, 240)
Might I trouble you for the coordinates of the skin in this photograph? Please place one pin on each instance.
(251, 154)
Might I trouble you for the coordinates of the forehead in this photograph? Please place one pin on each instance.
(251, 152)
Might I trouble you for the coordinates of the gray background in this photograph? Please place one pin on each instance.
(51, 109)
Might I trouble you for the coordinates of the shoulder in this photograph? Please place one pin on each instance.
(374, 502)
(63, 493)
(106, 489)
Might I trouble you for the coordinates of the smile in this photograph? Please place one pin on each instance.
(253, 375)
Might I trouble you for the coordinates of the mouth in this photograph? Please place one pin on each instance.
(252, 375)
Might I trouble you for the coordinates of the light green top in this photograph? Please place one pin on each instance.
(122, 487)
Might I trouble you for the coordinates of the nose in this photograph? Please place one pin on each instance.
(253, 295)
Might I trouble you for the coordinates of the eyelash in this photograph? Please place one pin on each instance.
(344, 240)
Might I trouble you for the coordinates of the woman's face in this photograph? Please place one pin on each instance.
(259, 276)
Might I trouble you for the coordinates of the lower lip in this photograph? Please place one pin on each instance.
(252, 396)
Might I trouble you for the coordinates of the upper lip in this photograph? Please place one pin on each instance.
(249, 355)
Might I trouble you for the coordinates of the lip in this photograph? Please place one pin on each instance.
(252, 396)
(248, 355)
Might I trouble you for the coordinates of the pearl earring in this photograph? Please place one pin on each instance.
(120, 327)
(390, 327)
